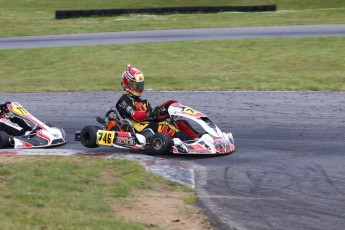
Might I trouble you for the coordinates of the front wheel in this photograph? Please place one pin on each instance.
(88, 136)
(4, 140)
(160, 143)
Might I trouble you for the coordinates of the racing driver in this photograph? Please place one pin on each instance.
(12, 125)
(138, 110)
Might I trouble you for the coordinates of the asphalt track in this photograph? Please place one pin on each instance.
(93, 39)
(287, 172)
(288, 169)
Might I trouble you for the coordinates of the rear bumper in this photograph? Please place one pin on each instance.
(77, 136)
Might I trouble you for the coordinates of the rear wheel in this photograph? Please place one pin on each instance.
(4, 140)
(88, 136)
(161, 143)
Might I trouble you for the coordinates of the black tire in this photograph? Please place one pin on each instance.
(161, 143)
(88, 136)
(4, 140)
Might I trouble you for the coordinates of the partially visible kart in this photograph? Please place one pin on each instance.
(116, 131)
(42, 134)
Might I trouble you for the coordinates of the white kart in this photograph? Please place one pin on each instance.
(119, 132)
(42, 134)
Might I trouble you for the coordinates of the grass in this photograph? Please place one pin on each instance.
(245, 64)
(249, 64)
(73, 193)
(36, 17)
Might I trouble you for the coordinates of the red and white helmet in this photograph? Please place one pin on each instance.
(132, 81)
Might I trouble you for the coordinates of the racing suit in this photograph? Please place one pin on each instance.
(12, 126)
(143, 117)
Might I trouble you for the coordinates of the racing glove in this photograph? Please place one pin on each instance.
(159, 113)
(139, 115)
(151, 114)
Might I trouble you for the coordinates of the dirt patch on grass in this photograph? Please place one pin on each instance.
(163, 208)
(159, 208)
(15, 158)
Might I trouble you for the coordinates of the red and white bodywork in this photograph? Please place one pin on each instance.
(42, 134)
(213, 141)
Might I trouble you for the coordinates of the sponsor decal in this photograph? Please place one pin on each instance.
(141, 106)
(165, 127)
(140, 126)
(222, 145)
(125, 140)
(197, 148)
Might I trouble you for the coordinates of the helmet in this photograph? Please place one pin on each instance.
(132, 81)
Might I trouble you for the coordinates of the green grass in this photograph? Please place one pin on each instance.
(36, 17)
(248, 64)
(314, 63)
(73, 193)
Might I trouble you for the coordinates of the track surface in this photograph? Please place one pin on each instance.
(287, 173)
(171, 35)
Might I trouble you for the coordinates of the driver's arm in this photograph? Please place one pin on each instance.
(129, 110)
(142, 115)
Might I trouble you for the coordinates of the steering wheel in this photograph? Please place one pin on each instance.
(110, 112)
(166, 104)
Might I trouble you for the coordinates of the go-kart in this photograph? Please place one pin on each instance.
(41, 135)
(118, 131)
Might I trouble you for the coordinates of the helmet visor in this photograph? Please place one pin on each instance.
(137, 85)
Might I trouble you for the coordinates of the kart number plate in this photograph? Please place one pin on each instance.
(105, 137)
(190, 111)
(20, 110)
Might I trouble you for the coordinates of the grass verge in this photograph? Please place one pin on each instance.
(73, 193)
(36, 17)
(247, 64)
